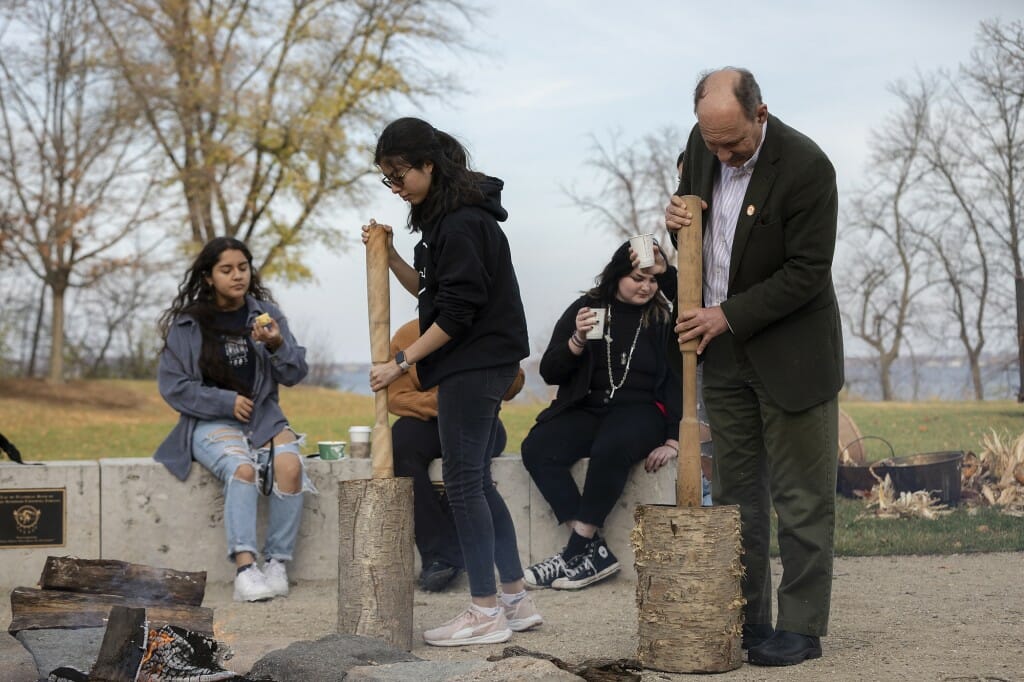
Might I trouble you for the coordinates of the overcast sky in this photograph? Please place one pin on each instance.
(557, 71)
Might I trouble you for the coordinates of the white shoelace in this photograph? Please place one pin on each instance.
(550, 567)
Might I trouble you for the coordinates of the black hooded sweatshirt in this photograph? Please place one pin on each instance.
(467, 285)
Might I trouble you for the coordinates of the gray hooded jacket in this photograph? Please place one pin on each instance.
(181, 384)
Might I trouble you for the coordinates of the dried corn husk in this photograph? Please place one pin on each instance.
(918, 504)
(999, 480)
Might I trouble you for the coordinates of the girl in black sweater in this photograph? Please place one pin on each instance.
(472, 337)
(618, 402)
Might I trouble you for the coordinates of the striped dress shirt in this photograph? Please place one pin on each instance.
(727, 200)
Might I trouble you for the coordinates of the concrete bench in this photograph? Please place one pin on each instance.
(133, 510)
(80, 481)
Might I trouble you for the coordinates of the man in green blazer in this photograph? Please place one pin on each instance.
(772, 351)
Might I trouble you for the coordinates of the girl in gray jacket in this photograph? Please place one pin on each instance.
(226, 348)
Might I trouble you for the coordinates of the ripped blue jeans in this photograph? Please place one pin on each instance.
(221, 447)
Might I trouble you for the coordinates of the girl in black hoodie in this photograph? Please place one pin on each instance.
(472, 337)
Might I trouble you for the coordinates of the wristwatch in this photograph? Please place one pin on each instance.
(400, 361)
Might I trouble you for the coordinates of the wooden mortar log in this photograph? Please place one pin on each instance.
(689, 598)
(378, 299)
(375, 520)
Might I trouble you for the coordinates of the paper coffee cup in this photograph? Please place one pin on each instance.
(359, 441)
(643, 245)
(598, 331)
(331, 449)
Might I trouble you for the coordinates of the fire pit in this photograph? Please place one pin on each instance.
(936, 472)
(117, 620)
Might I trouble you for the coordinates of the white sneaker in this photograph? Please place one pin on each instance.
(522, 615)
(470, 627)
(277, 577)
(251, 585)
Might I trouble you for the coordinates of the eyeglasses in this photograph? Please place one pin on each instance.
(390, 181)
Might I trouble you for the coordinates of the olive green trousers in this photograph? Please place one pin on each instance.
(765, 456)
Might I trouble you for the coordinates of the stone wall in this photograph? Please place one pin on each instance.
(134, 510)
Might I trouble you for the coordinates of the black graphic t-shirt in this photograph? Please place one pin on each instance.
(238, 352)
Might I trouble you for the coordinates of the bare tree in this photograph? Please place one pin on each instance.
(71, 168)
(977, 157)
(113, 333)
(949, 170)
(957, 241)
(266, 112)
(635, 183)
(887, 268)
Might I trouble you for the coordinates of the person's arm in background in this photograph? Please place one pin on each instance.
(406, 397)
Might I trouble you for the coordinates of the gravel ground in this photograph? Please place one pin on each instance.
(958, 617)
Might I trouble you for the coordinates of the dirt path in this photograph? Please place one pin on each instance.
(950, 618)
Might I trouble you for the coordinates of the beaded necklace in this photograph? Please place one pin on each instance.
(608, 353)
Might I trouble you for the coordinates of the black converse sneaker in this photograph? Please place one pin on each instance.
(543, 573)
(597, 563)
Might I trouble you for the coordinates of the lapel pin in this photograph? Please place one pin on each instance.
(750, 210)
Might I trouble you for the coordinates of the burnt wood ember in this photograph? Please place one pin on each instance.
(62, 624)
(175, 654)
(124, 642)
(105, 576)
(33, 609)
(591, 670)
(132, 651)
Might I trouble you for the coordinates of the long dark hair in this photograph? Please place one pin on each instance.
(415, 142)
(197, 298)
(658, 309)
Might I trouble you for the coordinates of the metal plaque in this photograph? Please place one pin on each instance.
(32, 517)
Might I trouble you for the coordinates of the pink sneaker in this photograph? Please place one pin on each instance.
(522, 615)
(470, 627)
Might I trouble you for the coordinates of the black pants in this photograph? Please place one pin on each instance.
(614, 438)
(416, 444)
(468, 403)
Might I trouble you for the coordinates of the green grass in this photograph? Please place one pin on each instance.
(964, 530)
(932, 426)
(89, 420)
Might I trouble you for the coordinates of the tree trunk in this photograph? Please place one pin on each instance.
(375, 559)
(689, 601)
(31, 372)
(1019, 289)
(57, 336)
(885, 375)
(979, 386)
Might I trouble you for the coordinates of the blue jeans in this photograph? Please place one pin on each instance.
(467, 422)
(221, 447)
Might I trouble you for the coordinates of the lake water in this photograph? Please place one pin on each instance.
(925, 379)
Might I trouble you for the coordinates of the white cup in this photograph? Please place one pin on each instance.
(643, 245)
(597, 332)
(359, 441)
